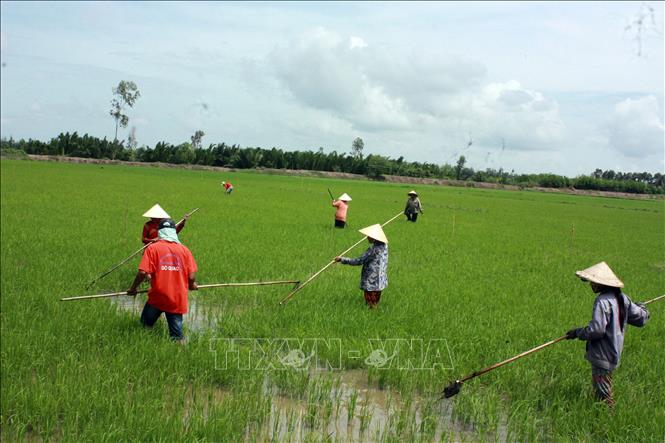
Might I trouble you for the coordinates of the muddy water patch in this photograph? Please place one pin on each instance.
(201, 316)
(344, 406)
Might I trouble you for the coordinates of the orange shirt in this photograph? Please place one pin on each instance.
(342, 207)
(170, 265)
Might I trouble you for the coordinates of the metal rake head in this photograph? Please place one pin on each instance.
(452, 389)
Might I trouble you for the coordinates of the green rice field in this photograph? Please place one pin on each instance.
(483, 275)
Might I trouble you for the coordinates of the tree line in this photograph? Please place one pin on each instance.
(373, 166)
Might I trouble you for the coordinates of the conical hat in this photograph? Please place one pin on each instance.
(412, 193)
(345, 197)
(374, 232)
(156, 212)
(601, 274)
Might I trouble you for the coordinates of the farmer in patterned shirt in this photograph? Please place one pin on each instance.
(604, 334)
(374, 275)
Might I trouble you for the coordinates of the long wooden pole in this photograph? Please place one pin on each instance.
(299, 287)
(130, 257)
(654, 299)
(512, 359)
(454, 387)
(215, 285)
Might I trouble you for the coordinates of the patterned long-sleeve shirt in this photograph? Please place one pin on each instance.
(413, 206)
(374, 275)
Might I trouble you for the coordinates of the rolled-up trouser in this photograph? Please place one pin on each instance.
(372, 298)
(602, 384)
(150, 315)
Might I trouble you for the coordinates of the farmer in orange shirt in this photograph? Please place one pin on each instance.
(171, 269)
(342, 206)
(150, 228)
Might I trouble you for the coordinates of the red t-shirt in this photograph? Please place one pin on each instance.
(170, 265)
(342, 207)
(150, 230)
(227, 185)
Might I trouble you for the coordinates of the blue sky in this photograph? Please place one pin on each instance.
(538, 87)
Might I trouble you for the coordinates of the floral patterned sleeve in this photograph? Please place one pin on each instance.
(360, 260)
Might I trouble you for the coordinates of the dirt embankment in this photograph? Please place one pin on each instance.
(387, 178)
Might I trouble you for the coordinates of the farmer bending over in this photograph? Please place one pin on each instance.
(342, 205)
(604, 333)
(374, 275)
(228, 187)
(156, 215)
(171, 269)
(413, 206)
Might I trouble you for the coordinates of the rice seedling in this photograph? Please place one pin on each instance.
(488, 273)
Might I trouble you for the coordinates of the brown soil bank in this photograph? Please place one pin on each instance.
(387, 178)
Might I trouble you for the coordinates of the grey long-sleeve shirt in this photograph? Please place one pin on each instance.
(604, 335)
(413, 206)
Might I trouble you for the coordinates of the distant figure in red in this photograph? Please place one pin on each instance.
(228, 187)
(150, 228)
(342, 205)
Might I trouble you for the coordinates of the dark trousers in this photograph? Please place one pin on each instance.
(150, 315)
(412, 216)
(339, 223)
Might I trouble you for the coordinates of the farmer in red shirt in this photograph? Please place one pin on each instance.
(228, 187)
(342, 205)
(171, 269)
(150, 228)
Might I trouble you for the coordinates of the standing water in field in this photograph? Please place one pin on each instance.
(344, 406)
(198, 318)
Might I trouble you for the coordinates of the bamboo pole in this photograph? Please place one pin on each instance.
(130, 257)
(299, 287)
(215, 285)
(454, 387)
(653, 299)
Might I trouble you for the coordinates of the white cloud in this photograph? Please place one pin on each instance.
(635, 129)
(324, 73)
(356, 42)
(376, 89)
(522, 117)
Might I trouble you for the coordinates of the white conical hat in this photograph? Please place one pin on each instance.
(345, 197)
(156, 212)
(602, 274)
(412, 193)
(374, 232)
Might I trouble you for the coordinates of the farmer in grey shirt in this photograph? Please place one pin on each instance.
(604, 334)
(413, 206)
(374, 276)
